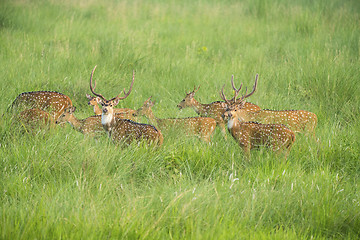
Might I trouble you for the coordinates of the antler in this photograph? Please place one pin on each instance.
(222, 95)
(252, 92)
(91, 87)
(235, 89)
(126, 94)
(195, 90)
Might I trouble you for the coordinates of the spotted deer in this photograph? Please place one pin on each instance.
(215, 109)
(35, 118)
(52, 102)
(202, 127)
(88, 126)
(125, 113)
(297, 120)
(124, 130)
(250, 135)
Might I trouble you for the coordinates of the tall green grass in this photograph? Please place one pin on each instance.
(60, 184)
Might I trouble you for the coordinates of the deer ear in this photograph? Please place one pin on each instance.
(98, 100)
(88, 96)
(115, 102)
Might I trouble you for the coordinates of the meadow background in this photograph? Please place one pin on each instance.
(60, 184)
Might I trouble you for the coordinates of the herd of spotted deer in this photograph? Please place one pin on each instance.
(248, 124)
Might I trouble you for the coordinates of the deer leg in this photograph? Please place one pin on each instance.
(221, 124)
(246, 149)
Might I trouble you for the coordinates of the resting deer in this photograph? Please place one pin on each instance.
(34, 118)
(52, 102)
(125, 113)
(124, 130)
(215, 109)
(250, 135)
(199, 126)
(89, 126)
(296, 120)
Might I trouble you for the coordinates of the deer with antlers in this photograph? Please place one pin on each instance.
(250, 135)
(297, 120)
(198, 126)
(88, 126)
(124, 130)
(52, 102)
(215, 109)
(125, 113)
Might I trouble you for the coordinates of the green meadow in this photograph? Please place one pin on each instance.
(58, 184)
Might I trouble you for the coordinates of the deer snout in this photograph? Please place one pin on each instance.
(180, 107)
(105, 110)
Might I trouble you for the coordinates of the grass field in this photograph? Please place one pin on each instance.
(59, 184)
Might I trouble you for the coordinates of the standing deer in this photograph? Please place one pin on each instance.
(124, 130)
(89, 126)
(296, 120)
(199, 126)
(250, 135)
(52, 102)
(125, 113)
(215, 109)
(34, 118)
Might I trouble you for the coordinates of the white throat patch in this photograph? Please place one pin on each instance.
(230, 123)
(106, 119)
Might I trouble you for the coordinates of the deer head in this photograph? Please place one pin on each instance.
(108, 105)
(188, 101)
(145, 109)
(66, 115)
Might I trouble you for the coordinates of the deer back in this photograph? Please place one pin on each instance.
(125, 113)
(127, 131)
(296, 120)
(92, 124)
(52, 102)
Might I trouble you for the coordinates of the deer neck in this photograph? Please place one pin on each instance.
(108, 121)
(75, 123)
(234, 127)
(97, 109)
(150, 115)
(199, 108)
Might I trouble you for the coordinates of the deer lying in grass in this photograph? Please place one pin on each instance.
(35, 118)
(202, 127)
(250, 135)
(216, 109)
(89, 126)
(125, 113)
(124, 130)
(296, 120)
(52, 102)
